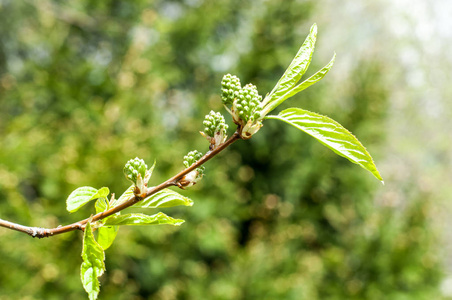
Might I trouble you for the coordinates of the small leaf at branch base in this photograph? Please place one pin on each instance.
(106, 235)
(142, 219)
(93, 263)
(124, 197)
(80, 197)
(164, 198)
(331, 134)
(101, 205)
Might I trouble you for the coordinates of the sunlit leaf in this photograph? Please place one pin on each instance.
(149, 173)
(80, 197)
(164, 198)
(302, 86)
(331, 134)
(106, 235)
(142, 219)
(101, 193)
(297, 67)
(101, 205)
(124, 197)
(93, 263)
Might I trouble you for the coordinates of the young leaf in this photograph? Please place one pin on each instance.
(106, 235)
(102, 193)
(296, 69)
(142, 219)
(80, 197)
(124, 197)
(93, 263)
(101, 205)
(331, 134)
(149, 173)
(164, 198)
(302, 86)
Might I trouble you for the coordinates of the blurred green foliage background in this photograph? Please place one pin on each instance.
(87, 85)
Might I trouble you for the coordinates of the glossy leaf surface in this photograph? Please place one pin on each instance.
(80, 197)
(164, 198)
(297, 67)
(142, 219)
(331, 134)
(302, 86)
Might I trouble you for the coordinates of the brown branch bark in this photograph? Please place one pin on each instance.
(47, 232)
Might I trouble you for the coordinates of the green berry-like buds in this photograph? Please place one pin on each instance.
(230, 87)
(133, 168)
(214, 129)
(246, 111)
(195, 175)
(247, 106)
(191, 158)
(213, 123)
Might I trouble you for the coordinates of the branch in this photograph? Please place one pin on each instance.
(80, 225)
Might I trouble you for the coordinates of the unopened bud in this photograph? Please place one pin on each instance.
(215, 129)
(195, 175)
(230, 86)
(133, 168)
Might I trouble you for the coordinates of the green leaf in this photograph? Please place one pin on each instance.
(296, 69)
(101, 205)
(102, 193)
(124, 197)
(93, 263)
(302, 86)
(106, 235)
(164, 198)
(80, 197)
(149, 173)
(142, 219)
(331, 134)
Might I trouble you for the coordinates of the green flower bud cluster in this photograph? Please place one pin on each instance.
(214, 123)
(191, 158)
(247, 106)
(230, 87)
(195, 175)
(134, 167)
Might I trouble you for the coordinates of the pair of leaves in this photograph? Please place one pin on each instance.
(327, 131)
(287, 84)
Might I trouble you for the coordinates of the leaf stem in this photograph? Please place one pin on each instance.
(47, 232)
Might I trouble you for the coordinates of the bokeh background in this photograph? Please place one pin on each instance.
(87, 85)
